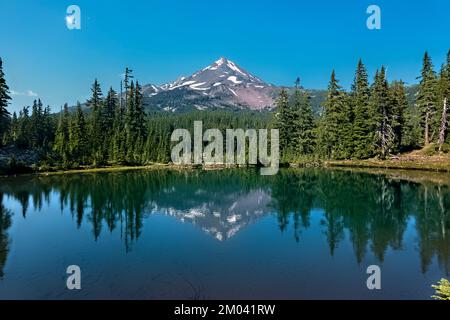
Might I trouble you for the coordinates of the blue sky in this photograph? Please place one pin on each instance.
(161, 40)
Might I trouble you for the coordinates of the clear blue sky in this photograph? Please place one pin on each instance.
(161, 40)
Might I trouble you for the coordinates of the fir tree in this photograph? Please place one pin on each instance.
(443, 100)
(140, 115)
(399, 107)
(304, 123)
(78, 144)
(118, 145)
(14, 129)
(4, 101)
(109, 109)
(24, 132)
(48, 128)
(333, 130)
(426, 99)
(383, 115)
(108, 117)
(96, 135)
(363, 124)
(61, 146)
(285, 123)
(130, 125)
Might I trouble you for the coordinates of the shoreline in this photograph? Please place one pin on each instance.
(363, 165)
(391, 165)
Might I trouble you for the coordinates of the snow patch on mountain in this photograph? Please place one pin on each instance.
(234, 80)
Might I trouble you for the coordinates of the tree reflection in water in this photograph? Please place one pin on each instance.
(373, 210)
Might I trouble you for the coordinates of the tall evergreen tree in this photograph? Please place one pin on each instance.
(4, 101)
(141, 125)
(61, 146)
(23, 135)
(108, 117)
(119, 139)
(109, 109)
(285, 123)
(14, 130)
(383, 115)
(304, 123)
(399, 106)
(96, 135)
(48, 128)
(140, 114)
(130, 125)
(363, 121)
(78, 143)
(426, 98)
(37, 122)
(333, 131)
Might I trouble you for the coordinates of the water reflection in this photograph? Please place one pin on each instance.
(5, 223)
(373, 210)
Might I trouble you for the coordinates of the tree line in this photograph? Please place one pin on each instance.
(371, 120)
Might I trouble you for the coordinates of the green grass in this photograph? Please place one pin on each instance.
(393, 164)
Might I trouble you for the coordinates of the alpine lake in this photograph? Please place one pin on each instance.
(224, 234)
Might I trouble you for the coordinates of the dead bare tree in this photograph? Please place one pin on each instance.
(443, 126)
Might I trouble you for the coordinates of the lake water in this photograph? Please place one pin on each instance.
(232, 234)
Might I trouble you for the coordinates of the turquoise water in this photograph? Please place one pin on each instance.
(232, 234)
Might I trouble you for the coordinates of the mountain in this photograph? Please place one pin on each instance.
(220, 219)
(223, 84)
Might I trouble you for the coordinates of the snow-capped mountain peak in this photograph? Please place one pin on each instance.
(221, 84)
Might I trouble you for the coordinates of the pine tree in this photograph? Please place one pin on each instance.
(109, 109)
(140, 121)
(14, 130)
(23, 135)
(118, 145)
(399, 107)
(443, 125)
(130, 125)
(37, 122)
(78, 144)
(426, 99)
(48, 128)
(140, 114)
(284, 122)
(61, 146)
(96, 135)
(383, 115)
(363, 124)
(304, 123)
(443, 100)
(108, 117)
(333, 130)
(4, 101)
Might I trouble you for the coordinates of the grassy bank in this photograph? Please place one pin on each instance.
(391, 164)
(416, 160)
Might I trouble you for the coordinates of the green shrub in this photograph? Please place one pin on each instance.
(442, 290)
